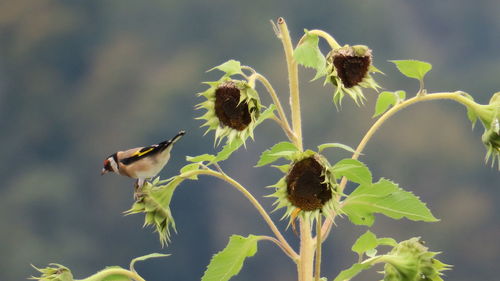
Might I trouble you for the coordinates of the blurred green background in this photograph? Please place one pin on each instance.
(82, 79)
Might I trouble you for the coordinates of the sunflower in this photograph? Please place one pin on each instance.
(307, 189)
(349, 70)
(233, 107)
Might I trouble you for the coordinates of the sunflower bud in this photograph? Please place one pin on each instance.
(410, 260)
(490, 117)
(54, 272)
(232, 106)
(348, 70)
(155, 204)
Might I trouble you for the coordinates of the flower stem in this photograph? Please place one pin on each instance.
(305, 266)
(329, 39)
(456, 96)
(113, 271)
(317, 260)
(293, 81)
(284, 244)
(279, 107)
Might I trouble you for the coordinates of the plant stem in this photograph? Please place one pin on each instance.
(329, 39)
(279, 107)
(305, 266)
(285, 246)
(293, 81)
(317, 260)
(113, 271)
(456, 96)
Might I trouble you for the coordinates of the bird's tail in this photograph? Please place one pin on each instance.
(170, 142)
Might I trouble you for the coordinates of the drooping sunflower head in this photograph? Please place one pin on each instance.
(307, 189)
(233, 107)
(349, 70)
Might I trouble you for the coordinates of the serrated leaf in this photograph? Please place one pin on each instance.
(200, 158)
(230, 67)
(227, 150)
(353, 170)
(322, 147)
(228, 262)
(276, 152)
(367, 241)
(191, 167)
(384, 101)
(413, 68)
(145, 257)
(354, 270)
(308, 54)
(384, 197)
(266, 114)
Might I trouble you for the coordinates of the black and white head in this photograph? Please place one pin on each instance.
(110, 164)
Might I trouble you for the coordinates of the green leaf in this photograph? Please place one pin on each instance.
(200, 158)
(353, 170)
(387, 241)
(335, 145)
(384, 197)
(227, 150)
(143, 258)
(384, 101)
(276, 152)
(266, 114)
(229, 261)
(471, 113)
(308, 54)
(354, 270)
(191, 167)
(365, 242)
(413, 68)
(230, 67)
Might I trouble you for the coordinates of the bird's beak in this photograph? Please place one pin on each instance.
(103, 171)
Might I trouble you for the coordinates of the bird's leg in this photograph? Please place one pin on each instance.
(138, 189)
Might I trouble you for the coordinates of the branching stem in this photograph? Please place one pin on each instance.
(284, 244)
(113, 271)
(456, 96)
(279, 107)
(329, 39)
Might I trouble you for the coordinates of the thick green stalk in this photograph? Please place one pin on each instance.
(293, 81)
(306, 262)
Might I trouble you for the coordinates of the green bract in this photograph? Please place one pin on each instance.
(233, 107)
(348, 69)
(54, 272)
(410, 260)
(155, 204)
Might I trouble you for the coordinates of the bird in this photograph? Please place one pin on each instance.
(141, 163)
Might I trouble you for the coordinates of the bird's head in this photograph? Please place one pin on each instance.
(110, 164)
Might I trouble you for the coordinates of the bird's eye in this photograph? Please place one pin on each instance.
(107, 165)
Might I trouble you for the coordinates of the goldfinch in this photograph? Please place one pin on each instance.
(141, 163)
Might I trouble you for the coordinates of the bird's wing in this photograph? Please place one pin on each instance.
(140, 153)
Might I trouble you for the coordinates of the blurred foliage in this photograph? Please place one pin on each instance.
(82, 79)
